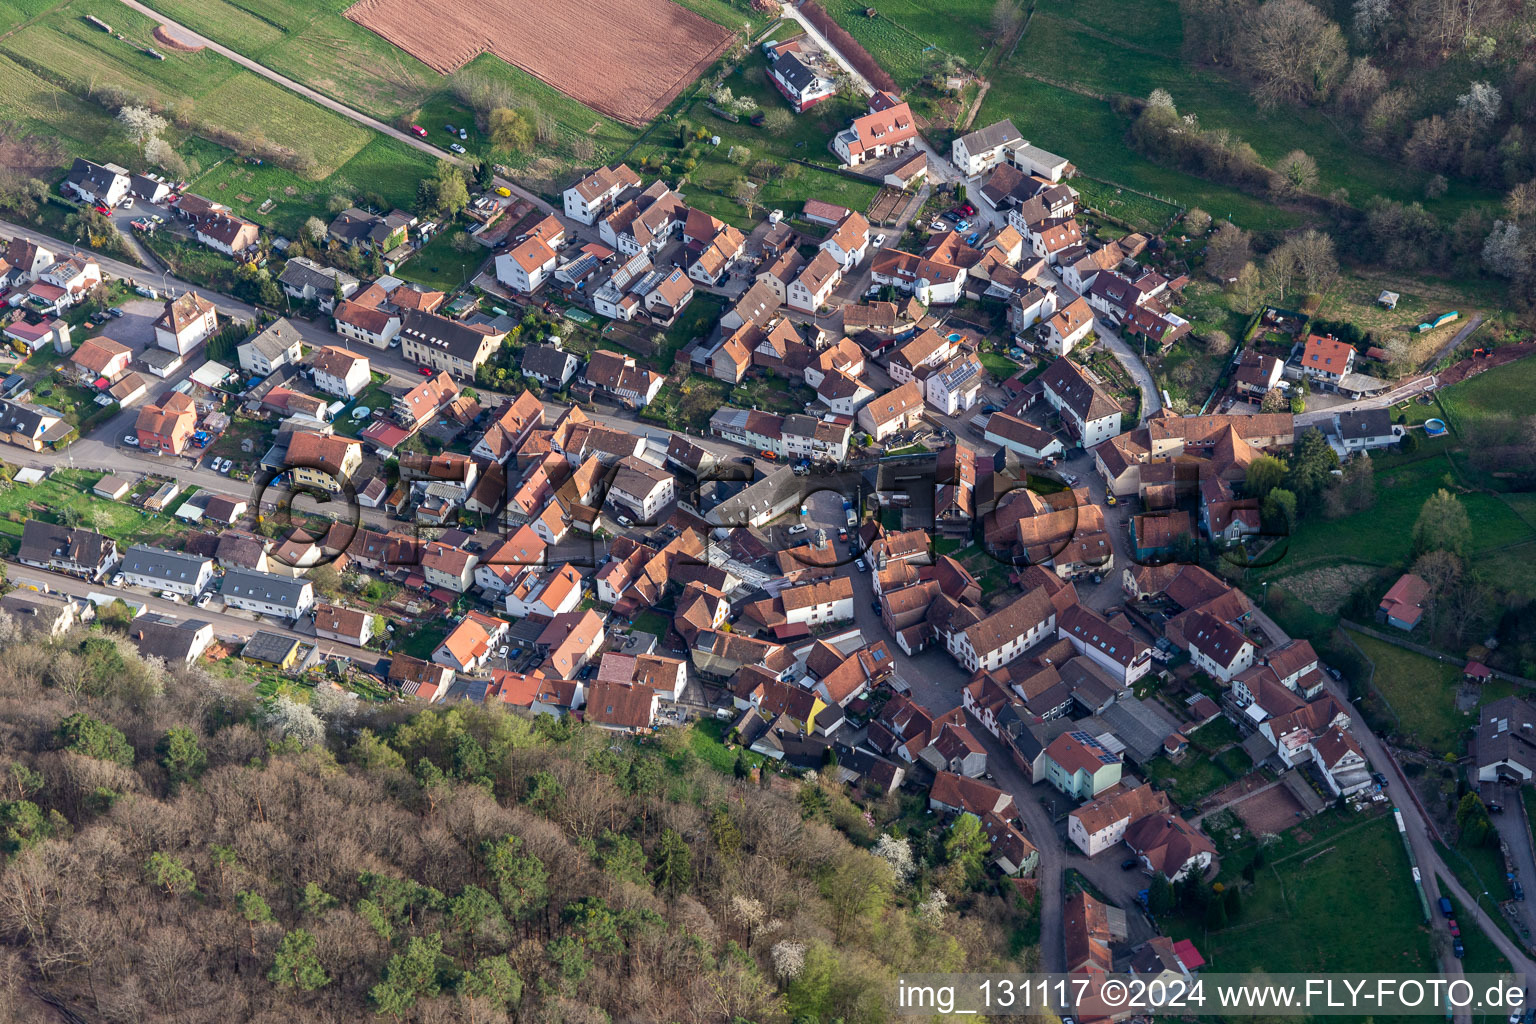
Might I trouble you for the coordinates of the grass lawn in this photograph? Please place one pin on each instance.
(706, 739)
(422, 642)
(226, 99)
(1421, 690)
(1383, 535)
(998, 365)
(653, 623)
(1077, 55)
(442, 267)
(1493, 395)
(695, 322)
(385, 166)
(69, 488)
(1197, 776)
(783, 183)
(1309, 907)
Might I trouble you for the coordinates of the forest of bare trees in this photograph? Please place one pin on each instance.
(177, 849)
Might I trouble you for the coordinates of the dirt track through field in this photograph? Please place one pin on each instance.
(626, 58)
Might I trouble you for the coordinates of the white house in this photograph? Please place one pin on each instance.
(307, 281)
(1216, 647)
(277, 345)
(983, 149)
(1067, 326)
(268, 593)
(186, 323)
(550, 365)
(370, 325)
(848, 241)
(1088, 412)
(106, 184)
(590, 198)
(77, 274)
(641, 487)
(341, 372)
(159, 569)
(955, 386)
(812, 289)
(895, 411)
(1021, 437)
(527, 265)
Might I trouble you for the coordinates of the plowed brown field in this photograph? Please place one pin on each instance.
(626, 58)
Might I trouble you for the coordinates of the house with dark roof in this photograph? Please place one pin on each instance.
(104, 184)
(979, 151)
(176, 641)
(74, 551)
(33, 427)
(803, 86)
(550, 365)
(160, 569)
(416, 678)
(267, 593)
(1505, 745)
(307, 281)
(446, 345)
(1090, 413)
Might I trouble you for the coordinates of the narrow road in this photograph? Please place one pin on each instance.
(1461, 336)
(325, 101)
(1151, 397)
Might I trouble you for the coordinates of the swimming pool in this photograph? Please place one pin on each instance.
(1434, 427)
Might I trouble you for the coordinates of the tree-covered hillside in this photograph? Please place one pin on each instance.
(177, 849)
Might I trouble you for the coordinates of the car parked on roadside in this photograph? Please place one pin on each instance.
(419, 130)
(130, 440)
(455, 147)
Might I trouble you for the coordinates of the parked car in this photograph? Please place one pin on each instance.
(228, 465)
(858, 563)
(968, 208)
(503, 191)
(202, 601)
(105, 211)
(455, 147)
(450, 129)
(879, 241)
(962, 224)
(797, 529)
(127, 203)
(1128, 863)
(1445, 906)
(1515, 890)
(425, 371)
(1455, 928)
(115, 312)
(419, 130)
(770, 456)
(117, 580)
(625, 521)
(1457, 949)
(168, 596)
(502, 653)
(463, 133)
(130, 440)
